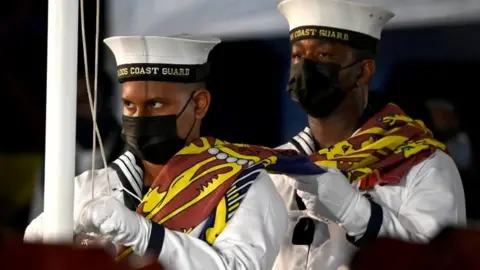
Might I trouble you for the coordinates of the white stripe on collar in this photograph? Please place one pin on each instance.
(304, 139)
(129, 166)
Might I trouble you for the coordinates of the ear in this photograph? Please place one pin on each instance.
(202, 99)
(368, 67)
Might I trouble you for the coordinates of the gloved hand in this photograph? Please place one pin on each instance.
(34, 231)
(108, 217)
(331, 196)
(87, 241)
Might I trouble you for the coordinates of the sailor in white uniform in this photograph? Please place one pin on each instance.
(377, 191)
(164, 102)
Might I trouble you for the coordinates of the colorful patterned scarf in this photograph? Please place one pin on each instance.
(385, 148)
(200, 180)
(194, 185)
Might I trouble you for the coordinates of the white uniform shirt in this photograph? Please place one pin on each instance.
(427, 198)
(251, 239)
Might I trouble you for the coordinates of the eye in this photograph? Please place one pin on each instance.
(156, 104)
(296, 55)
(325, 55)
(128, 104)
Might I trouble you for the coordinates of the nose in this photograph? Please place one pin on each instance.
(309, 54)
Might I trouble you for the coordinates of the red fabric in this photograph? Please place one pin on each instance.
(392, 165)
(192, 216)
(450, 250)
(16, 255)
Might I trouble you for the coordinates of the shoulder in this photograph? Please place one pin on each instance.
(437, 178)
(439, 164)
(263, 201)
(86, 177)
(126, 164)
(124, 172)
(434, 190)
(286, 146)
(260, 187)
(265, 187)
(255, 180)
(103, 179)
(303, 142)
(94, 184)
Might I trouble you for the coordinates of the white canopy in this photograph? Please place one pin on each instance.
(249, 18)
(236, 19)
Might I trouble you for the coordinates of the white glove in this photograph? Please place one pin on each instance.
(34, 231)
(110, 218)
(331, 196)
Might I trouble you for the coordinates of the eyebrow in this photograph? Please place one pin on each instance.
(297, 45)
(160, 99)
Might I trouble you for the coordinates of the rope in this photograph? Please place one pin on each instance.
(93, 102)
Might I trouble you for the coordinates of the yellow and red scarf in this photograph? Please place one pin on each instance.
(193, 184)
(383, 150)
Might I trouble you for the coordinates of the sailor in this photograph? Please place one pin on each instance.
(392, 177)
(208, 206)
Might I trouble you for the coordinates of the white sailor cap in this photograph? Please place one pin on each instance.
(354, 24)
(180, 58)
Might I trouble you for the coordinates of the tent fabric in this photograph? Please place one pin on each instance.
(251, 18)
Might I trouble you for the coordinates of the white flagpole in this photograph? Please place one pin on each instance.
(61, 120)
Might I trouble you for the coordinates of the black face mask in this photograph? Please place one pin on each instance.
(154, 138)
(315, 86)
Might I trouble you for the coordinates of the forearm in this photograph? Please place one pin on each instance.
(380, 221)
(419, 220)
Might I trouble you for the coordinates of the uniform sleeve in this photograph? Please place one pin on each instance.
(251, 240)
(34, 231)
(82, 193)
(433, 199)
